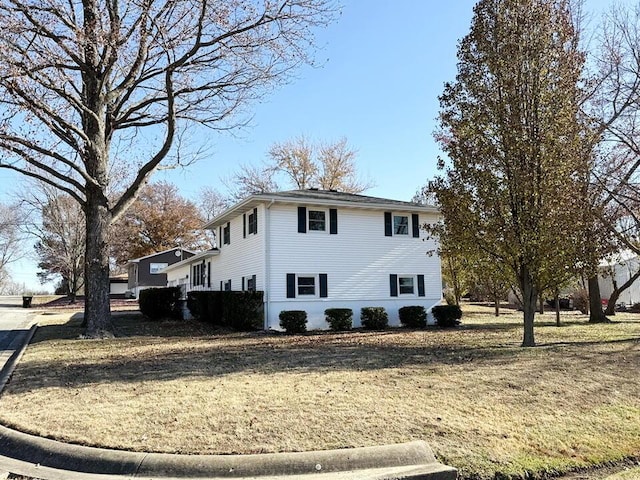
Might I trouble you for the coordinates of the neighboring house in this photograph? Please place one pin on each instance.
(118, 286)
(313, 249)
(146, 272)
(619, 269)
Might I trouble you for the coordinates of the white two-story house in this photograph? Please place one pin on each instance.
(314, 249)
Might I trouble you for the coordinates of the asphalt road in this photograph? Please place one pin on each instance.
(14, 321)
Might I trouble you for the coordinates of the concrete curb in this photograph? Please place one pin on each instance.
(12, 362)
(407, 460)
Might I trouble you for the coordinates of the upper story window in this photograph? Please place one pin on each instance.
(226, 234)
(314, 220)
(253, 222)
(155, 268)
(317, 221)
(400, 225)
(250, 223)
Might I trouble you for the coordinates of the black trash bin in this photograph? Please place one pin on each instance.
(26, 302)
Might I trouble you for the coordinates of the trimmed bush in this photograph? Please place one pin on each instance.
(293, 321)
(374, 318)
(158, 303)
(447, 316)
(238, 310)
(414, 316)
(339, 318)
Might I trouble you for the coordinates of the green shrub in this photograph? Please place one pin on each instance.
(339, 318)
(238, 310)
(447, 316)
(293, 321)
(414, 316)
(158, 303)
(374, 318)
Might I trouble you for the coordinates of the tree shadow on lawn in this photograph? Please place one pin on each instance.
(216, 356)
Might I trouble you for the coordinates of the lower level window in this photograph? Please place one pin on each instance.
(405, 285)
(227, 286)
(306, 285)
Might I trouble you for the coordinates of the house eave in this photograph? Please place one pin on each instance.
(254, 200)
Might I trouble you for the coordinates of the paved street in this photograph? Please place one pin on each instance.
(14, 323)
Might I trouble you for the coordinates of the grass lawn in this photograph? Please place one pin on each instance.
(483, 403)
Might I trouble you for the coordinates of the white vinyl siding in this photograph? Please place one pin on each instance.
(358, 262)
(243, 257)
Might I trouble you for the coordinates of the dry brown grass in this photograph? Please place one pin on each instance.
(484, 403)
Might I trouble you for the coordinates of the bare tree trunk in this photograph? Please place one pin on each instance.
(496, 305)
(529, 300)
(596, 315)
(617, 291)
(97, 307)
(557, 304)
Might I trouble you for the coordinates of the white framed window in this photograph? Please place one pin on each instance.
(406, 285)
(226, 234)
(253, 222)
(154, 268)
(317, 221)
(306, 285)
(400, 225)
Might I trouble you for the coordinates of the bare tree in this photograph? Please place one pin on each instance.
(248, 180)
(80, 82)
(294, 159)
(615, 108)
(58, 224)
(301, 164)
(11, 241)
(337, 168)
(211, 202)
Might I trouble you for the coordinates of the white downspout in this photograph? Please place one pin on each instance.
(267, 263)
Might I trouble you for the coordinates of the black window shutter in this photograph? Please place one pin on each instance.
(421, 285)
(415, 224)
(393, 285)
(221, 286)
(243, 284)
(229, 229)
(333, 221)
(244, 225)
(220, 238)
(230, 285)
(255, 285)
(302, 219)
(255, 220)
(291, 285)
(324, 291)
(388, 228)
(209, 274)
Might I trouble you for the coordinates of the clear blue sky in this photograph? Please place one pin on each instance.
(382, 66)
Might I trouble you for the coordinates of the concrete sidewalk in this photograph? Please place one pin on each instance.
(48, 459)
